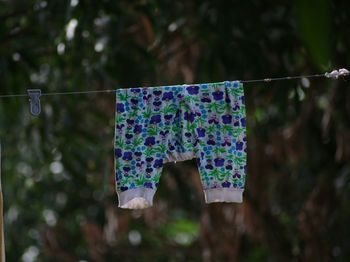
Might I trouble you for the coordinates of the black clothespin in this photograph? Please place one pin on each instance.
(34, 100)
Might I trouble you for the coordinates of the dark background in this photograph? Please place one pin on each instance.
(57, 174)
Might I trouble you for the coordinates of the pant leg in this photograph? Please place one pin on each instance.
(138, 149)
(221, 142)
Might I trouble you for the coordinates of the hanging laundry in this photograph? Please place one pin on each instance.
(157, 125)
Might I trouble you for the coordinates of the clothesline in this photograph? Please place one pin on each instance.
(335, 74)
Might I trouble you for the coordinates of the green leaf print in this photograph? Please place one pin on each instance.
(211, 129)
(191, 127)
(122, 97)
(227, 128)
(200, 121)
(149, 152)
(201, 143)
(119, 143)
(237, 132)
(140, 181)
(160, 149)
(217, 174)
(175, 129)
(133, 114)
(240, 160)
(190, 99)
(219, 150)
(147, 114)
(119, 118)
(156, 177)
(169, 109)
(236, 91)
(137, 142)
(153, 130)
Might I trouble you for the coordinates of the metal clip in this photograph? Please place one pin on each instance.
(34, 100)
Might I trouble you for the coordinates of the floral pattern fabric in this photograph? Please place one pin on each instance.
(156, 125)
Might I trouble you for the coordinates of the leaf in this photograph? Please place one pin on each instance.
(314, 28)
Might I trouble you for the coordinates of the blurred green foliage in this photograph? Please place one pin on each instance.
(57, 172)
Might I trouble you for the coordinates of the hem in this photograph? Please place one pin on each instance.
(136, 198)
(213, 195)
(178, 157)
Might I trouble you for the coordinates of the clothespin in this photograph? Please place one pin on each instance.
(34, 100)
(335, 74)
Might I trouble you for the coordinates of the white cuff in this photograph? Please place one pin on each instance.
(223, 195)
(136, 198)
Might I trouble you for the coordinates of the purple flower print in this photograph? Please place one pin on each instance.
(149, 159)
(140, 164)
(171, 147)
(218, 95)
(156, 105)
(219, 162)
(201, 132)
(138, 155)
(163, 134)
(229, 167)
(189, 116)
(211, 140)
(168, 96)
(227, 141)
(157, 93)
(167, 118)
(148, 185)
(243, 100)
(180, 97)
(243, 122)
(128, 137)
(226, 184)
(138, 129)
(146, 97)
(134, 102)
(197, 113)
(149, 170)
(135, 90)
(127, 156)
(120, 108)
(150, 141)
(192, 90)
(236, 106)
(205, 98)
(226, 119)
(236, 175)
(236, 121)
(155, 119)
(209, 166)
(120, 127)
(188, 134)
(118, 152)
(158, 163)
(213, 119)
(239, 145)
(130, 122)
(126, 169)
(123, 188)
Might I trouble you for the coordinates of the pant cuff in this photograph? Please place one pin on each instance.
(223, 195)
(136, 198)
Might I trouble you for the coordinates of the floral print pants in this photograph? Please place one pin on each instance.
(156, 125)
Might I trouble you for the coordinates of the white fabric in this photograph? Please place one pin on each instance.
(223, 195)
(175, 156)
(136, 198)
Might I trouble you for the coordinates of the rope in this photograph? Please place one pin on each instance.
(335, 74)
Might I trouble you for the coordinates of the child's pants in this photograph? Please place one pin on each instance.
(176, 123)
